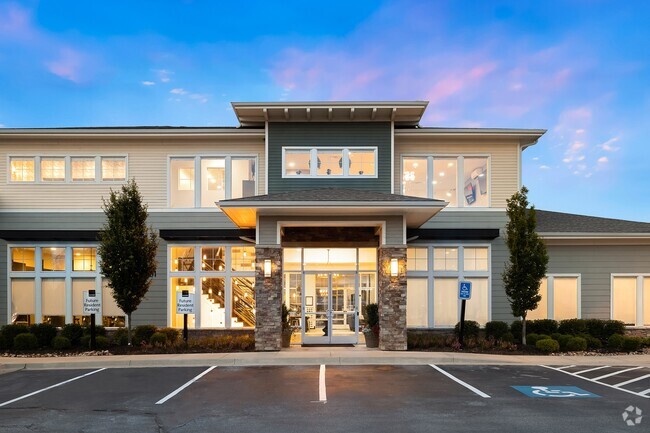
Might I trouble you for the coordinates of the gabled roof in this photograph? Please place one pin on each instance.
(558, 223)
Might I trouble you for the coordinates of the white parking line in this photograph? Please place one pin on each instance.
(643, 394)
(164, 399)
(591, 369)
(457, 380)
(322, 391)
(566, 366)
(646, 392)
(627, 382)
(50, 387)
(605, 376)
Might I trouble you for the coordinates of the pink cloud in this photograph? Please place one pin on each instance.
(68, 65)
(16, 22)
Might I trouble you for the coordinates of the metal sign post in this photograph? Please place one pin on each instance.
(184, 306)
(92, 305)
(464, 293)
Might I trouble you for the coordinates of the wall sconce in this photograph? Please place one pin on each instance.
(267, 268)
(393, 267)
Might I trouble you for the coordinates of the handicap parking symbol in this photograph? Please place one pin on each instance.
(555, 392)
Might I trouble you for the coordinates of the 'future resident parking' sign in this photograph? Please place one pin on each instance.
(184, 302)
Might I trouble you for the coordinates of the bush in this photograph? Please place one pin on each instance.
(556, 336)
(44, 333)
(596, 329)
(84, 342)
(72, 332)
(171, 334)
(143, 333)
(563, 340)
(612, 327)
(576, 344)
(223, 343)
(371, 314)
(645, 343)
(99, 330)
(572, 327)
(541, 326)
(25, 341)
(9, 332)
(632, 344)
(120, 337)
(615, 342)
(548, 345)
(532, 339)
(424, 340)
(496, 329)
(61, 343)
(508, 338)
(515, 328)
(3, 343)
(592, 342)
(471, 330)
(101, 342)
(158, 339)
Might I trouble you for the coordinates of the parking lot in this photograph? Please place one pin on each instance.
(422, 398)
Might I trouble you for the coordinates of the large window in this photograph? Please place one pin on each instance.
(219, 178)
(53, 169)
(83, 169)
(631, 299)
(437, 270)
(330, 162)
(22, 170)
(48, 282)
(223, 284)
(114, 169)
(438, 177)
(560, 298)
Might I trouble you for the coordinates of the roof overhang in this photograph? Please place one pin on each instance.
(400, 112)
(525, 137)
(245, 213)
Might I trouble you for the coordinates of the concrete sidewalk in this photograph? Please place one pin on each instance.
(312, 356)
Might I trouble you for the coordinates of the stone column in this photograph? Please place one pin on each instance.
(392, 299)
(268, 300)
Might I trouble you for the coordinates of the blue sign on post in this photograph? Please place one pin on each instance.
(465, 290)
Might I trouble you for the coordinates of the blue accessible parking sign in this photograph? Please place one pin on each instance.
(555, 392)
(464, 290)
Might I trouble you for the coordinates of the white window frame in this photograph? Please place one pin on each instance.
(639, 297)
(198, 177)
(68, 169)
(85, 158)
(550, 293)
(313, 167)
(460, 174)
(460, 274)
(38, 275)
(197, 274)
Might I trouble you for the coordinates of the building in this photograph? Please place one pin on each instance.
(327, 205)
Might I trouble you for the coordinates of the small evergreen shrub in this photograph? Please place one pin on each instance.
(101, 342)
(3, 343)
(631, 344)
(572, 327)
(44, 333)
(593, 343)
(615, 342)
(84, 342)
(532, 339)
(563, 340)
(61, 343)
(596, 329)
(172, 334)
(496, 329)
(73, 332)
(25, 341)
(515, 328)
(158, 339)
(556, 336)
(99, 330)
(508, 338)
(646, 342)
(612, 327)
(120, 337)
(471, 330)
(10, 332)
(143, 333)
(541, 326)
(548, 345)
(576, 344)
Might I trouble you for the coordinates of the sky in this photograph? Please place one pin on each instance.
(580, 69)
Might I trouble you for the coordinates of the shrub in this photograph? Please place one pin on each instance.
(171, 334)
(508, 338)
(541, 326)
(595, 328)
(158, 339)
(84, 341)
(612, 327)
(472, 329)
(101, 342)
(61, 343)
(548, 345)
(222, 343)
(9, 332)
(576, 344)
(532, 339)
(496, 329)
(371, 314)
(73, 332)
(645, 343)
(25, 341)
(563, 340)
(44, 333)
(556, 336)
(615, 342)
(143, 333)
(99, 330)
(592, 342)
(631, 344)
(572, 327)
(515, 328)
(3, 343)
(120, 337)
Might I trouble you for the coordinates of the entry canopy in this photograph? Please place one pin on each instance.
(331, 202)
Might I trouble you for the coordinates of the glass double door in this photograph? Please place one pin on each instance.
(330, 308)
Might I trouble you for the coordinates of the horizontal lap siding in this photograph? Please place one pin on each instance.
(504, 170)
(147, 163)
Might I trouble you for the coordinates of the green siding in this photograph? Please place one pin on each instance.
(376, 134)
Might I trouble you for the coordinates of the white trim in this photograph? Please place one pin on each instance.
(392, 157)
(266, 158)
(345, 161)
(550, 293)
(311, 223)
(639, 297)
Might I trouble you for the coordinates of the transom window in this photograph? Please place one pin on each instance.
(113, 169)
(330, 162)
(22, 169)
(60, 169)
(83, 169)
(462, 181)
(53, 169)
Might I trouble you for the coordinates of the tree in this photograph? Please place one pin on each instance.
(528, 258)
(127, 248)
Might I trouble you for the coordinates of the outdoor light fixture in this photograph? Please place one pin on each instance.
(393, 267)
(267, 268)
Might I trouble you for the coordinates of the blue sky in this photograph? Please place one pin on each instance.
(580, 69)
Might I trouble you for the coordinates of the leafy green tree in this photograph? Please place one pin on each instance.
(528, 258)
(127, 248)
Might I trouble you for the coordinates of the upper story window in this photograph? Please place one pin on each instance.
(22, 169)
(114, 169)
(53, 169)
(219, 178)
(460, 181)
(83, 169)
(59, 169)
(330, 162)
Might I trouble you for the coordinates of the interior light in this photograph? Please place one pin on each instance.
(393, 267)
(435, 182)
(267, 268)
(450, 164)
(441, 174)
(448, 194)
(292, 164)
(415, 165)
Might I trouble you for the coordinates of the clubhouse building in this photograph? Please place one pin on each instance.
(323, 206)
